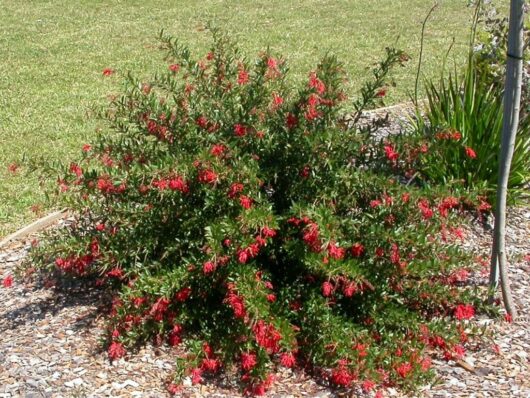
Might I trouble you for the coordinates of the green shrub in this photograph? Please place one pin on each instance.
(232, 214)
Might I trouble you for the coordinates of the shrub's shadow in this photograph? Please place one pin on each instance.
(66, 293)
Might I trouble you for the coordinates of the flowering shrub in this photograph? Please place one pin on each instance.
(232, 215)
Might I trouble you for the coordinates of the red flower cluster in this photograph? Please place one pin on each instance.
(218, 150)
(391, 153)
(425, 209)
(357, 250)
(312, 112)
(116, 350)
(207, 176)
(7, 281)
(316, 83)
(75, 265)
(335, 251)
(267, 336)
(470, 153)
(175, 183)
(448, 135)
(242, 77)
(447, 204)
(236, 302)
(245, 201)
(341, 376)
(311, 237)
(464, 311)
(240, 130)
(288, 359)
(174, 337)
(404, 369)
(248, 361)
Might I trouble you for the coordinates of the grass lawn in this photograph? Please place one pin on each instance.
(52, 54)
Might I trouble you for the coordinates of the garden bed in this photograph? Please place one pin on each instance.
(50, 342)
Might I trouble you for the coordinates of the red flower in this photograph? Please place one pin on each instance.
(367, 385)
(245, 201)
(174, 338)
(312, 113)
(404, 369)
(248, 361)
(394, 254)
(174, 68)
(242, 256)
(13, 167)
(349, 289)
(390, 153)
(7, 281)
(242, 77)
(104, 185)
(271, 298)
(381, 93)
(336, 252)
(235, 188)
(459, 351)
(173, 388)
(115, 273)
(316, 83)
(86, 148)
(208, 176)
(464, 311)
(218, 150)
(208, 267)
(116, 350)
(108, 71)
(425, 209)
(210, 364)
(426, 364)
(267, 336)
(183, 294)
(202, 122)
(508, 318)
(178, 184)
(310, 236)
(327, 289)
(484, 206)
(268, 232)
(277, 101)
(291, 121)
(304, 173)
(196, 376)
(240, 130)
(470, 153)
(236, 302)
(272, 63)
(341, 377)
(375, 203)
(159, 309)
(357, 250)
(287, 359)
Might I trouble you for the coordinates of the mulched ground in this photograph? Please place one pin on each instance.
(49, 341)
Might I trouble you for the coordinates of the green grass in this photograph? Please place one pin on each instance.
(52, 54)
